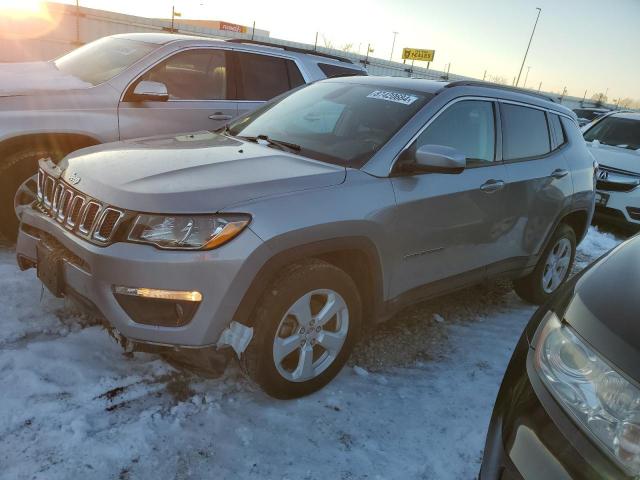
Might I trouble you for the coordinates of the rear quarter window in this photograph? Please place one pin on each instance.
(337, 71)
(558, 131)
(525, 133)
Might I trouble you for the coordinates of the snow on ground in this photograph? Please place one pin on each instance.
(416, 405)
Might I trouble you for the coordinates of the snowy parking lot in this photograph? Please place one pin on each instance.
(414, 402)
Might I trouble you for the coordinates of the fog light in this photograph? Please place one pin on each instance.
(184, 296)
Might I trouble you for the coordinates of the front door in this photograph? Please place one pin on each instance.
(450, 226)
(201, 96)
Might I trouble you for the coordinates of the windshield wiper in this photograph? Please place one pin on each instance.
(272, 142)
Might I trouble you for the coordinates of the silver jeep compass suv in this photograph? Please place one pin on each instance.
(295, 228)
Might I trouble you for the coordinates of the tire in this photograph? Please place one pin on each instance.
(540, 285)
(279, 315)
(15, 168)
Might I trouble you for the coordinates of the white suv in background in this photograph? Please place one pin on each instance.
(614, 141)
(135, 85)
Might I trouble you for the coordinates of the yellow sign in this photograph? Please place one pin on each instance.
(418, 54)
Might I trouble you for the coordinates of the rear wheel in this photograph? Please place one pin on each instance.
(15, 168)
(304, 329)
(552, 269)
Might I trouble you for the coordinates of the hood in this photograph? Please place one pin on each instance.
(35, 77)
(605, 309)
(616, 157)
(194, 173)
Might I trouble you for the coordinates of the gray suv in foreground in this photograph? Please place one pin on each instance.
(290, 232)
(135, 85)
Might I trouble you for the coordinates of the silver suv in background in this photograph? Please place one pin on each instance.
(297, 227)
(135, 85)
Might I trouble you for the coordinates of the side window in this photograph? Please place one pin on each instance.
(469, 127)
(193, 75)
(556, 127)
(524, 132)
(263, 77)
(330, 70)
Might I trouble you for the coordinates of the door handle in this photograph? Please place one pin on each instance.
(559, 173)
(220, 116)
(491, 186)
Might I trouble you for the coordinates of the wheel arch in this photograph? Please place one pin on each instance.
(578, 220)
(65, 142)
(357, 256)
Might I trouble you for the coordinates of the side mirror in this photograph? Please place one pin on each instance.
(437, 159)
(148, 91)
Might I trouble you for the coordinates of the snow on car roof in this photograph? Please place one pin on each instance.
(628, 115)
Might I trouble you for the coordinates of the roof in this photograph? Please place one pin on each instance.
(470, 88)
(166, 38)
(404, 83)
(627, 115)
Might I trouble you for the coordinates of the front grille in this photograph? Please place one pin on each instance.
(616, 186)
(83, 215)
(615, 180)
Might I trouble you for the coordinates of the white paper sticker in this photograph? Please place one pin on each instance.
(403, 98)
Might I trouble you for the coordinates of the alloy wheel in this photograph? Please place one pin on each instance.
(310, 335)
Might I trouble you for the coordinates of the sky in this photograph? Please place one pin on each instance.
(579, 44)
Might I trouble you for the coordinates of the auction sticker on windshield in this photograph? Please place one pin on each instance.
(397, 97)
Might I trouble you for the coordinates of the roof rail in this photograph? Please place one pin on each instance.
(290, 49)
(479, 83)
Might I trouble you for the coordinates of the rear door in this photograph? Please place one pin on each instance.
(201, 95)
(448, 225)
(539, 184)
(260, 77)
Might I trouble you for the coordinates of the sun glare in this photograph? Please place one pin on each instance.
(24, 19)
(23, 8)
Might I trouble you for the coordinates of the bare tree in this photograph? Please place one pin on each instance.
(497, 79)
(625, 102)
(599, 97)
(327, 43)
(347, 47)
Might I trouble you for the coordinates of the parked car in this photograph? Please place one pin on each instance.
(569, 404)
(134, 85)
(615, 143)
(297, 227)
(588, 115)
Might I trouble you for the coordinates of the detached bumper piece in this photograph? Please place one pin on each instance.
(163, 308)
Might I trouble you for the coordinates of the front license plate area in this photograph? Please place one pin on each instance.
(602, 199)
(49, 268)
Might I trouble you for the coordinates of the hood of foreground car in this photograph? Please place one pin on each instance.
(27, 78)
(194, 173)
(616, 157)
(605, 309)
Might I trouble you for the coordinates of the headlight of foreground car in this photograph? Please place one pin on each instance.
(187, 232)
(606, 405)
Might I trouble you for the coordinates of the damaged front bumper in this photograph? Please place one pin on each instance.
(90, 275)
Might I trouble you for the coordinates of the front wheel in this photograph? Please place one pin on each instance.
(15, 168)
(305, 328)
(552, 269)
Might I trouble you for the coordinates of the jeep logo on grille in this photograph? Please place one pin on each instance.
(603, 175)
(74, 179)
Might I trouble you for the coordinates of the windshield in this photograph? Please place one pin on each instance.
(616, 131)
(344, 123)
(103, 59)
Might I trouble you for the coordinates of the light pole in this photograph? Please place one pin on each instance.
(524, 85)
(529, 45)
(393, 45)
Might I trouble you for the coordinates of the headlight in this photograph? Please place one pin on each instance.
(188, 232)
(605, 404)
